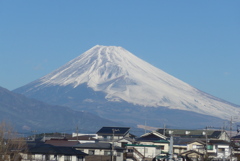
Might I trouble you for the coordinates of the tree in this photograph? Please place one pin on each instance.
(10, 143)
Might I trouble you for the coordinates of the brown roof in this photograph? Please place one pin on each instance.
(64, 143)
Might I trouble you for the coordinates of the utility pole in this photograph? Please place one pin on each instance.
(231, 123)
(171, 148)
(34, 134)
(145, 127)
(44, 136)
(164, 129)
(77, 132)
(113, 130)
(206, 136)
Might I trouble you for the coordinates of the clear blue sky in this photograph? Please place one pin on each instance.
(195, 41)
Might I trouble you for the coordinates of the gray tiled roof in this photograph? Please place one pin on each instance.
(222, 142)
(50, 149)
(192, 133)
(182, 141)
(150, 137)
(97, 146)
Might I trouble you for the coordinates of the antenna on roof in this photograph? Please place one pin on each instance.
(44, 136)
(164, 127)
(77, 132)
(145, 127)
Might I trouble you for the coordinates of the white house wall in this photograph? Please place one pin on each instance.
(225, 153)
(101, 152)
(86, 141)
(149, 152)
(109, 137)
(224, 136)
(95, 136)
(166, 146)
(38, 157)
(179, 149)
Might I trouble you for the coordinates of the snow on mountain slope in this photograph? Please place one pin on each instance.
(123, 76)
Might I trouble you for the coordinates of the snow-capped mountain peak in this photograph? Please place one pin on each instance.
(124, 77)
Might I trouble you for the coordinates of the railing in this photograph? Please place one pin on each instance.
(137, 155)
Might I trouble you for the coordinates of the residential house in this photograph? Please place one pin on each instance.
(236, 146)
(197, 149)
(61, 142)
(143, 152)
(154, 138)
(50, 152)
(51, 136)
(113, 133)
(197, 144)
(197, 134)
(101, 151)
(119, 136)
(219, 149)
(83, 139)
(149, 146)
(95, 136)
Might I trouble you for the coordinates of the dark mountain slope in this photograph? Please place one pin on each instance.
(29, 114)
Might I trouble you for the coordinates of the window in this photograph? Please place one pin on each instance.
(209, 147)
(199, 146)
(130, 150)
(221, 150)
(124, 144)
(118, 154)
(107, 137)
(160, 147)
(91, 152)
(107, 152)
(104, 137)
(79, 158)
(67, 158)
(47, 157)
(30, 157)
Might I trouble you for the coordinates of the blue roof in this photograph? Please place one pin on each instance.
(117, 130)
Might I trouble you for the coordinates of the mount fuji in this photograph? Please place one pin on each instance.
(115, 84)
